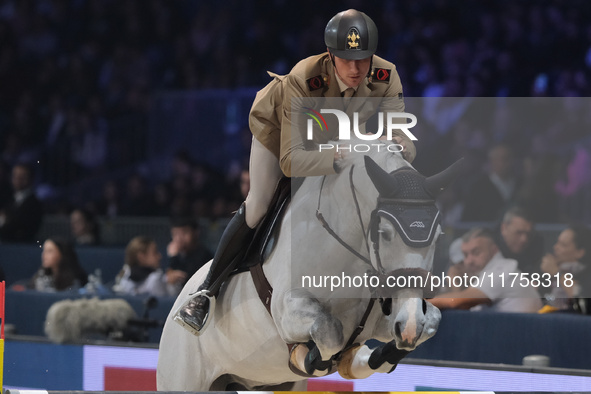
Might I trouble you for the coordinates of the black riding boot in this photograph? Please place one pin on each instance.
(234, 240)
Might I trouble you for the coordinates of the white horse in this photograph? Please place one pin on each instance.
(245, 346)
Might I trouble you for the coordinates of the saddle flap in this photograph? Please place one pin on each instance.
(268, 229)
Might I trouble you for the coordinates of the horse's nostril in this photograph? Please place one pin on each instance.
(424, 307)
(398, 330)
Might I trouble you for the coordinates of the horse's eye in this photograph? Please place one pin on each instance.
(386, 235)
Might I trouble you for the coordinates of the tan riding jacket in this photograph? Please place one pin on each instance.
(314, 77)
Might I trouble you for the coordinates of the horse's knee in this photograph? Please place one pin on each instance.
(327, 333)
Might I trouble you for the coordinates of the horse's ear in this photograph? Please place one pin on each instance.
(437, 183)
(386, 185)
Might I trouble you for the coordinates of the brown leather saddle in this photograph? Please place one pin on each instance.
(267, 232)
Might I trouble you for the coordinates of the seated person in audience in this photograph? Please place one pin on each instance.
(569, 266)
(517, 240)
(141, 273)
(494, 190)
(483, 260)
(84, 227)
(185, 251)
(60, 269)
(20, 219)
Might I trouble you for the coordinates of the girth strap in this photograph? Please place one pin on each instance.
(264, 289)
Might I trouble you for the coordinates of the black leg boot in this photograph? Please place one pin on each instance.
(193, 315)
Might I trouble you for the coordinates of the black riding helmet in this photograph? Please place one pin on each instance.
(351, 35)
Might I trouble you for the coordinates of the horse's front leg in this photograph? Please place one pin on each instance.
(361, 362)
(303, 319)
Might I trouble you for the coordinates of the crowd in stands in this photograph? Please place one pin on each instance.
(77, 78)
(514, 273)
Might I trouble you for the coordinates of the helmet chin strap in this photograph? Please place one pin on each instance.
(332, 58)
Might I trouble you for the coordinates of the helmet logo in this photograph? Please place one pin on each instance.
(352, 39)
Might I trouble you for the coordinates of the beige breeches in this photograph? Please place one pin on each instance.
(265, 173)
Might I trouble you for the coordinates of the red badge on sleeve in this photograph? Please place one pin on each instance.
(315, 83)
(381, 75)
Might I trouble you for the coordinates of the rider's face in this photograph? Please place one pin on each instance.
(352, 72)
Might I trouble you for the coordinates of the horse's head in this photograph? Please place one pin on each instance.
(403, 230)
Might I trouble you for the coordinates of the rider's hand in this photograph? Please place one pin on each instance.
(404, 142)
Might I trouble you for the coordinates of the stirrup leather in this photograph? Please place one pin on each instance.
(178, 319)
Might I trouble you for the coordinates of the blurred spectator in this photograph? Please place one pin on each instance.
(181, 164)
(21, 218)
(571, 256)
(109, 205)
(84, 227)
(203, 181)
(60, 269)
(5, 185)
(537, 190)
(493, 191)
(89, 141)
(185, 252)
(162, 200)
(577, 175)
(483, 259)
(518, 240)
(142, 273)
(137, 201)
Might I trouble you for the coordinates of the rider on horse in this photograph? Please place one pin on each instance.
(349, 68)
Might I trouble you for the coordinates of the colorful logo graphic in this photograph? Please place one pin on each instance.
(318, 118)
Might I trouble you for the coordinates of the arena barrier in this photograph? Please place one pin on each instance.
(233, 392)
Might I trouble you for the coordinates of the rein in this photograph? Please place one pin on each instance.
(327, 227)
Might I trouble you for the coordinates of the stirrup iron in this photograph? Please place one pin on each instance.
(179, 320)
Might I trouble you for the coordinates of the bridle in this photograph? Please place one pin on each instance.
(382, 210)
